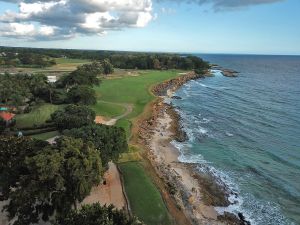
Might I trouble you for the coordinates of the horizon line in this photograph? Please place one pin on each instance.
(169, 52)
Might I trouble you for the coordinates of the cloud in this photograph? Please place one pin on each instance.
(167, 10)
(62, 19)
(221, 5)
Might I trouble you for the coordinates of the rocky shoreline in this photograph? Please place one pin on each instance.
(194, 193)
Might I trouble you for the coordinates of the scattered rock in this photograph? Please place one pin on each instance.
(176, 97)
(232, 219)
(229, 73)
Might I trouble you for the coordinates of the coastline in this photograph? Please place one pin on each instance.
(195, 194)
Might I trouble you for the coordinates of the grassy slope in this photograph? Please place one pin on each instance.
(108, 109)
(148, 206)
(134, 90)
(37, 116)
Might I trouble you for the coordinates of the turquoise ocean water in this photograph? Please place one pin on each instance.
(246, 131)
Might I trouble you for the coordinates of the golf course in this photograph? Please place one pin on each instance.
(122, 97)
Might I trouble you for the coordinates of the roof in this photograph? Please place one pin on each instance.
(7, 116)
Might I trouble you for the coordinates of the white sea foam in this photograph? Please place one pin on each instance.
(216, 72)
(205, 120)
(185, 155)
(202, 130)
(228, 134)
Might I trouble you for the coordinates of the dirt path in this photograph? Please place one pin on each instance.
(112, 121)
(109, 193)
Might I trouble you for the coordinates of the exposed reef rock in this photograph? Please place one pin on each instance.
(176, 97)
(229, 73)
(225, 72)
(232, 219)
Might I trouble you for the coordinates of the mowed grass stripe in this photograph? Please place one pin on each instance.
(39, 115)
(133, 90)
(145, 199)
(108, 109)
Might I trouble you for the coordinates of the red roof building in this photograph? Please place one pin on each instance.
(7, 116)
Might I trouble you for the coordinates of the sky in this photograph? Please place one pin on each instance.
(191, 26)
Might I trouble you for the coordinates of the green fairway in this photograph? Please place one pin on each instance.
(108, 109)
(45, 136)
(37, 116)
(132, 89)
(145, 200)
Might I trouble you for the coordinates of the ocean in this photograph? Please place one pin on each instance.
(246, 131)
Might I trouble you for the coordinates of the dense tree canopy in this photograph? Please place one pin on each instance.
(13, 152)
(11, 58)
(40, 179)
(73, 116)
(96, 214)
(83, 75)
(17, 89)
(82, 94)
(2, 125)
(109, 140)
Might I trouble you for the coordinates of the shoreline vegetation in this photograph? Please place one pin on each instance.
(184, 187)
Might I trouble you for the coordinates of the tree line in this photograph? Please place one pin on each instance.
(25, 59)
(123, 60)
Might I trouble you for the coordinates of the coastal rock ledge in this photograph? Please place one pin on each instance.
(225, 72)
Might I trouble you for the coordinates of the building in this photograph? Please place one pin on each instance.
(6, 116)
(52, 79)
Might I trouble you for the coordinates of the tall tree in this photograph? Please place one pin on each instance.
(47, 178)
(110, 141)
(82, 94)
(107, 67)
(73, 116)
(96, 214)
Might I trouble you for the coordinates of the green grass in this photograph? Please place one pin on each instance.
(39, 115)
(126, 124)
(67, 60)
(133, 90)
(45, 136)
(145, 200)
(108, 109)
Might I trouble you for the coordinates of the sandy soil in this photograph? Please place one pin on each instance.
(165, 158)
(109, 193)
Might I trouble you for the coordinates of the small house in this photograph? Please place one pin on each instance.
(52, 79)
(6, 115)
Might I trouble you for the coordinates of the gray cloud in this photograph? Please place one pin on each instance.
(60, 19)
(220, 5)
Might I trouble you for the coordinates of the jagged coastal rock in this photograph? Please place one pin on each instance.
(225, 72)
(229, 73)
